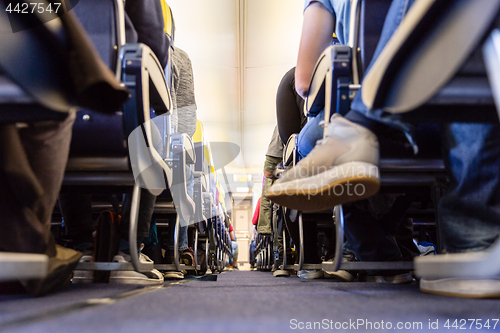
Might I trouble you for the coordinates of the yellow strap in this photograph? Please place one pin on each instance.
(198, 135)
(167, 17)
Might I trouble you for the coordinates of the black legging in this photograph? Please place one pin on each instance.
(289, 107)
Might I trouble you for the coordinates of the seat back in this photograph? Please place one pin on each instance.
(373, 13)
(429, 47)
(201, 150)
(95, 134)
(43, 80)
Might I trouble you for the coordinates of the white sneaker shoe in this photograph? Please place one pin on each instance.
(341, 168)
(132, 277)
(484, 288)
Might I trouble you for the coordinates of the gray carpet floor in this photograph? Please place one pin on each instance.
(242, 301)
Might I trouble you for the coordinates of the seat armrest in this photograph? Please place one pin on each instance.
(183, 142)
(333, 64)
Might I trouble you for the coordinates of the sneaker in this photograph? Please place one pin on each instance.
(153, 277)
(84, 276)
(485, 288)
(393, 279)
(425, 248)
(310, 274)
(340, 275)
(187, 257)
(173, 275)
(342, 168)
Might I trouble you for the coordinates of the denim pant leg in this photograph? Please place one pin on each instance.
(32, 166)
(183, 230)
(311, 133)
(469, 212)
(395, 15)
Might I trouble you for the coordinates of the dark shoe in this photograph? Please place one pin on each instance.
(59, 273)
(187, 257)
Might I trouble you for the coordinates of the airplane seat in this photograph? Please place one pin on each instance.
(103, 161)
(397, 169)
(43, 87)
(200, 175)
(90, 126)
(405, 78)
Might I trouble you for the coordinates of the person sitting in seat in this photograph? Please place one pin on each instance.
(469, 211)
(381, 217)
(32, 164)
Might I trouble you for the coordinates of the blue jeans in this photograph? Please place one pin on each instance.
(469, 212)
(309, 134)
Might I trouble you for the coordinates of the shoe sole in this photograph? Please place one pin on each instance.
(281, 273)
(463, 289)
(341, 276)
(173, 276)
(318, 199)
(130, 280)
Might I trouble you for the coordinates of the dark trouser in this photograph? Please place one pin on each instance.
(146, 209)
(32, 164)
(311, 255)
(289, 107)
(76, 209)
(277, 230)
(373, 238)
(252, 253)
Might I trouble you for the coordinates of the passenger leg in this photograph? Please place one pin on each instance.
(146, 209)
(76, 209)
(32, 163)
(469, 211)
(186, 253)
(289, 107)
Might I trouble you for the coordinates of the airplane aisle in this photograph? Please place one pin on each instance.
(239, 301)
